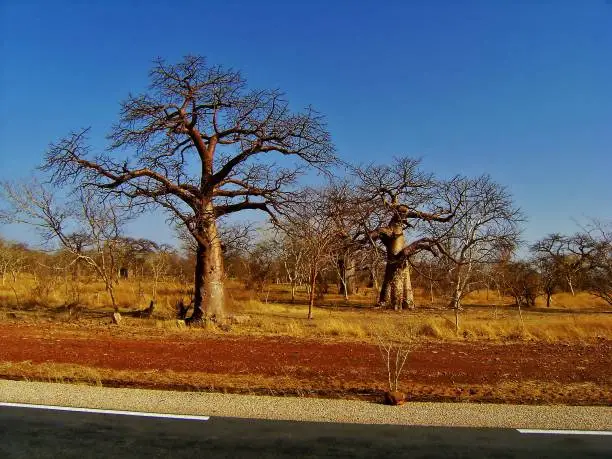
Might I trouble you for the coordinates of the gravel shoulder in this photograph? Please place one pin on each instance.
(308, 409)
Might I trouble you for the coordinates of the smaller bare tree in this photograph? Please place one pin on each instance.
(310, 221)
(548, 267)
(292, 257)
(67, 223)
(394, 354)
(158, 263)
(554, 250)
(12, 263)
(597, 242)
(485, 220)
(520, 280)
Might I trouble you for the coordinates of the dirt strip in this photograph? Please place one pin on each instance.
(447, 363)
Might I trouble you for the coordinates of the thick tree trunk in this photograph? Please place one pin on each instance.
(396, 291)
(209, 298)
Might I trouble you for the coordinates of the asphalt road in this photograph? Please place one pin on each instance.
(32, 433)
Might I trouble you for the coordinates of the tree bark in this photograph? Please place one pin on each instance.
(111, 293)
(313, 280)
(571, 285)
(346, 270)
(396, 291)
(457, 321)
(209, 298)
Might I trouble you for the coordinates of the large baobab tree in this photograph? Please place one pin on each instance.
(395, 199)
(197, 144)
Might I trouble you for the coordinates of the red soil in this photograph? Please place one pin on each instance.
(430, 363)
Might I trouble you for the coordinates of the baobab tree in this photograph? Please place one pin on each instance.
(394, 199)
(197, 144)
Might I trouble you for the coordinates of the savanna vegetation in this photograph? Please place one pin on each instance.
(379, 266)
(339, 259)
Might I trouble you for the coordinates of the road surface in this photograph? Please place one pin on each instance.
(33, 432)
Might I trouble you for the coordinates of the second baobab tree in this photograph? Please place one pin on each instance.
(395, 200)
(197, 144)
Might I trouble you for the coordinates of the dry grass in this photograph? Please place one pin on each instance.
(579, 301)
(572, 318)
(53, 294)
(476, 323)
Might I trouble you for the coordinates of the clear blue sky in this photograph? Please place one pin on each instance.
(519, 90)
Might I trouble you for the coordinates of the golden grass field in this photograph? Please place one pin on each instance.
(486, 316)
(57, 328)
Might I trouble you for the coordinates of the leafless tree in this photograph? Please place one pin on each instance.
(12, 262)
(558, 251)
(519, 279)
(485, 219)
(394, 354)
(90, 228)
(158, 262)
(395, 199)
(198, 145)
(292, 256)
(6, 258)
(549, 259)
(596, 246)
(311, 221)
(262, 263)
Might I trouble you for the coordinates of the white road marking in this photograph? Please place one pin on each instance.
(119, 412)
(565, 432)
